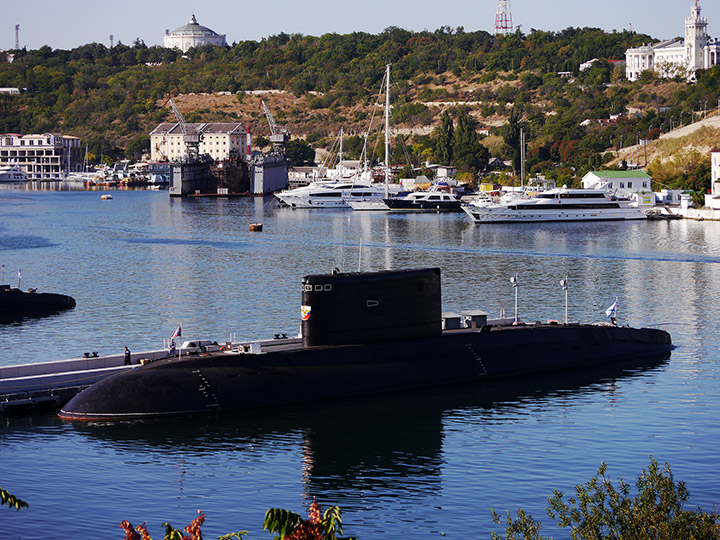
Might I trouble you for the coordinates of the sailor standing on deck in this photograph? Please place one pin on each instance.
(128, 360)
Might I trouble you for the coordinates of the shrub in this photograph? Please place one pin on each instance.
(600, 511)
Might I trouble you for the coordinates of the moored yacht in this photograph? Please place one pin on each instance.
(431, 200)
(12, 174)
(560, 204)
(333, 194)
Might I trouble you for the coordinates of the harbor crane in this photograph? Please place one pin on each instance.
(279, 136)
(191, 138)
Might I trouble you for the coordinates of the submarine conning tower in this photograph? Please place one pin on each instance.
(347, 308)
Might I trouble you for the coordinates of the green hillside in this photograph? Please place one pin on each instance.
(112, 98)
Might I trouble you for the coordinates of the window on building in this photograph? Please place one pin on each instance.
(622, 185)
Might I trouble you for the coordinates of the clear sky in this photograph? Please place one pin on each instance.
(70, 23)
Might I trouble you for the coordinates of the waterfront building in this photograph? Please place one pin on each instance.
(47, 156)
(712, 200)
(624, 184)
(676, 58)
(217, 140)
(192, 35)
(302, 176)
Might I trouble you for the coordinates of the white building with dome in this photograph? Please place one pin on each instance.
(676, 58)
(192, 35)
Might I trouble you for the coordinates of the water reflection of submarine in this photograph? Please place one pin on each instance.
(363, 333)
(367, 441)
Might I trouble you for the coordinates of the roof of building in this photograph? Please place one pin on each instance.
(173, 128)
(193, 28)
(620, 174)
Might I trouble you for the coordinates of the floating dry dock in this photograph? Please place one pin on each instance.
(362, 333)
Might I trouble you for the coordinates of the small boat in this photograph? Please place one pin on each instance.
(256, 227)
(560, 204)
(106, 197)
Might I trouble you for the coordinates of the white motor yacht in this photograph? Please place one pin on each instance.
(12, 174)
(333, 194)
(560, 204)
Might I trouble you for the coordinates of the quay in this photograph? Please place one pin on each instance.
(49, 385)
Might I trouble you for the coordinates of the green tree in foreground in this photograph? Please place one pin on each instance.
(600, 511)
(11, 500)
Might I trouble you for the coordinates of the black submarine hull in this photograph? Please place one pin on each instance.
(292, 374)
(15, 302)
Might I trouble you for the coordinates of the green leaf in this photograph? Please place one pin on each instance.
(11, 500)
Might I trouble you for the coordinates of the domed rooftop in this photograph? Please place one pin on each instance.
(194, 28)
(192, 35)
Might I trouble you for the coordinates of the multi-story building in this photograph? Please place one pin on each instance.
(676, 58)
(217, 140)
(47, 156)
(192, 35)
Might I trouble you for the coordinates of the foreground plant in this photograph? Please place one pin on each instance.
(290, 526)
(192, 531)
(600, 511)
(11, 500)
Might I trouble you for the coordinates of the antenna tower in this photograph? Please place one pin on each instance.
(503, 18)
(17, 37)
(111, 41)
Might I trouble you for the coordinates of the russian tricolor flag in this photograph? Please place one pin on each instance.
(177, 332)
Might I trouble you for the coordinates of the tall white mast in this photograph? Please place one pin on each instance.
(339, 165)
(387, 128)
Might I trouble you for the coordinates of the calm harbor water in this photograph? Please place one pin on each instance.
(411, 465)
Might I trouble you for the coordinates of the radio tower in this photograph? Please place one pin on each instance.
(17, 37)
(503, 18)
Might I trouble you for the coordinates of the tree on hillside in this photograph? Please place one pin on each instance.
(511, 137)
(444, 139)
(299, 153)
(469, 154)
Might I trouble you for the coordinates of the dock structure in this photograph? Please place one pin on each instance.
(49, 385)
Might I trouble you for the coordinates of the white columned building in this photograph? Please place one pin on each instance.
(43, 157)
(676, 58)
(218, 140)
(192, 35)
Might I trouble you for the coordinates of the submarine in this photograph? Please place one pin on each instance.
(16, 302)
(361, 333)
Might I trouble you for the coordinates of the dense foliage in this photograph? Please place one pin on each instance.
(112, 98)
(601, 511)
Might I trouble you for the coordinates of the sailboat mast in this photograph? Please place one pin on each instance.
(339, 167)
(387, 128)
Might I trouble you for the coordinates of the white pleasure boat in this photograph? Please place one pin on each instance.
(560, 204)
(12, 174)
(333, 194)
